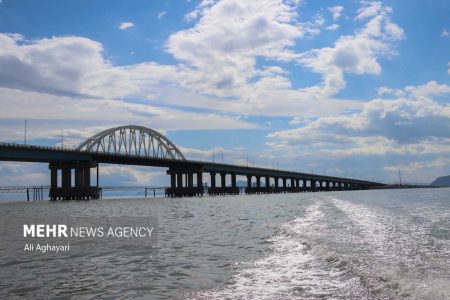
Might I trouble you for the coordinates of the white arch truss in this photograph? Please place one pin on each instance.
(132, 140)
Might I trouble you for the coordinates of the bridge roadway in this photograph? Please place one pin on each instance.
(182, 173)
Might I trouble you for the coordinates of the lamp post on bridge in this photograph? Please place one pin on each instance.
(25, 140)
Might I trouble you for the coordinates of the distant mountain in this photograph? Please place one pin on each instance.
(441, 181)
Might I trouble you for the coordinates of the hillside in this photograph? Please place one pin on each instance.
(441, 181)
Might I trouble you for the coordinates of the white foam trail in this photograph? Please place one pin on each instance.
(291, 270)
(396, 253)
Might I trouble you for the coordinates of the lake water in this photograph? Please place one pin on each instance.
(384, 244)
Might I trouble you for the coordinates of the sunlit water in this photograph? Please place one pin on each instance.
(390, 244)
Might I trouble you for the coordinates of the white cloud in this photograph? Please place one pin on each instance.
(445, 33)
(162, 14)
(332, 27)
(336, 11)
(230, 34)
(217, 68)
(56, 65)
(415, 125)
(356, 53)
(431, 88)
(295, 121)
(385, 91)
(369, 9)
(126, 25)
(84, 117)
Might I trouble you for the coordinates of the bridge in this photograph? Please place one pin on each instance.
(137, 145)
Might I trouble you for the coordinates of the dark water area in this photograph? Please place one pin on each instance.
(386, 244)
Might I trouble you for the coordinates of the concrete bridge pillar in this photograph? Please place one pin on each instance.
(53, 178)
(313, 185)
(79, 177)
(276, 182)
(267, 182)
(284, 184)
(190, 180)
(182, 183)
(66, 178)
(87, 176)
(223, 177)
(82, 188)
(249, 181)
(173, 181)
(179, 180)
(213, 179)
(233, 180)
(200, 179)
(258, 181)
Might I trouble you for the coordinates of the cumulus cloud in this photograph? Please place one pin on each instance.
(162, 14)
(355, 53)
(445, 33)
(414, 125)
(336, 11)
(431, 88)
(332, 27)
(126, 25)
(55, 65)
(217, 66)
(224, 43)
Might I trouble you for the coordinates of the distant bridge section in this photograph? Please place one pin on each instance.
(137, 145)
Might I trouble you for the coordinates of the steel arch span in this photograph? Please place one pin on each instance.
(132, 140)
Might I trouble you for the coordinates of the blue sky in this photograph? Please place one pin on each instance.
(342, 87)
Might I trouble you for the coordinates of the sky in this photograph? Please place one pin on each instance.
(346, 88)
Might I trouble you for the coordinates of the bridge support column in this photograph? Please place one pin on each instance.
(284, 185)
(234, 184)
(87, 176)
(313, 185)
(53, 178)
(249, 189)
(190, 177)
(82, 188)
(223, 177)
(213, 179)
(179, 180)
(224, 189)
(178, 188)
(200, 179)
(276, 184)
(79, 180)
(173, 181)
(66, 177)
